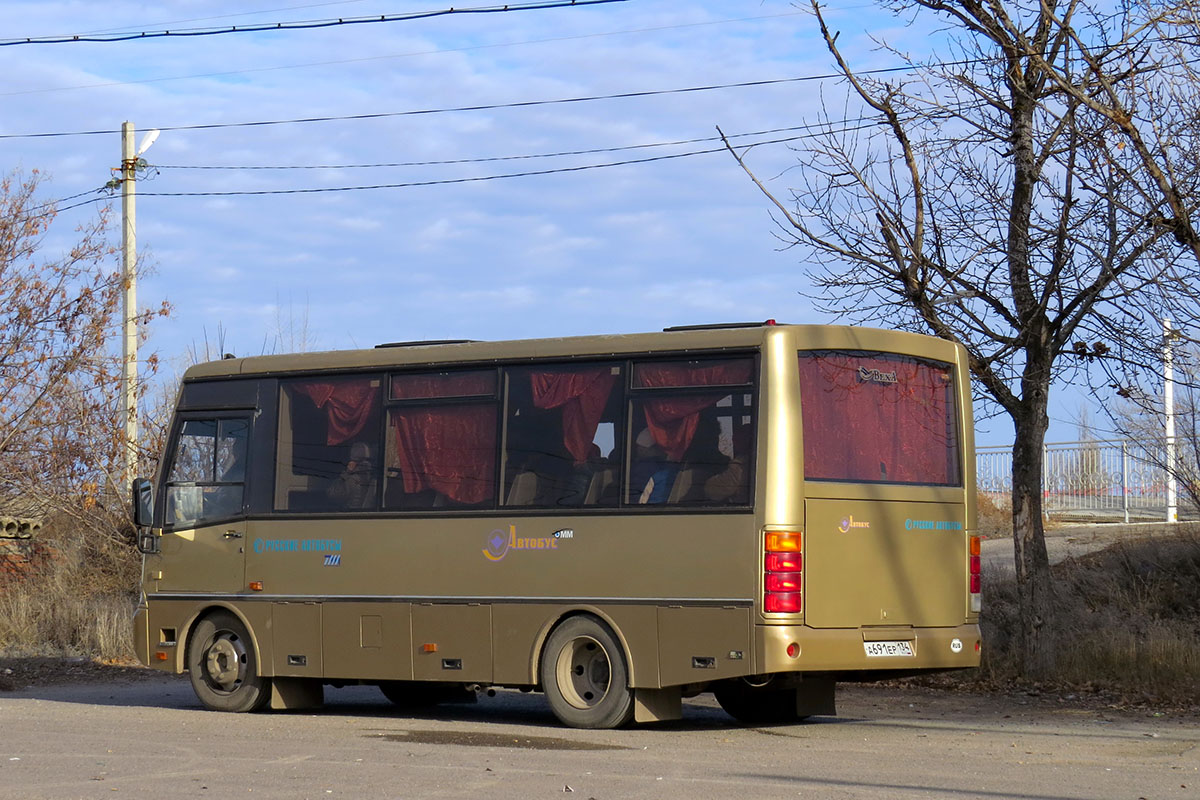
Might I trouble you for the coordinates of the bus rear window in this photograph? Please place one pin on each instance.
(878, 418)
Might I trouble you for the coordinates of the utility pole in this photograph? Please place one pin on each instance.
(130, 162)
(129, 343)
(1169, 419)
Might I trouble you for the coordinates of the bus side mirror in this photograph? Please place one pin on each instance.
(143, 503)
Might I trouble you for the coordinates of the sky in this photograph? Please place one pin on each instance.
(599, 242)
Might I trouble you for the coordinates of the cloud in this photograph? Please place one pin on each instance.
(611, 249)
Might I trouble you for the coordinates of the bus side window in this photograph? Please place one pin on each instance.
(207, 477)
(693, 442)
(441, 440)
(560, 434)
(327, 447)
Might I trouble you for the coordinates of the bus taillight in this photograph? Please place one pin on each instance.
(777, 603)
(783, 576)
(975, 573)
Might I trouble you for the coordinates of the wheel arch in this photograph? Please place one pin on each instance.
(539, 646)
(189, 627)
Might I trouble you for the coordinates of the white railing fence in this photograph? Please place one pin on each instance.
(1110, 480)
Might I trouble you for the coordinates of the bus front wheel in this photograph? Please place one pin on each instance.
(584, 675)
(222, 665)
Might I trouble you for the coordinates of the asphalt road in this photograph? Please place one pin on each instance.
(150, 739)
(1065, 541)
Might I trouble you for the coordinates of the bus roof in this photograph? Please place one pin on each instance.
(455, 352)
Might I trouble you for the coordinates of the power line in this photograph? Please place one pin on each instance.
(54, 203)
(466, 49)
(523, 157)
(236, 14)
(126, 36)
(481, 107)
(825, 128)
(484, 178)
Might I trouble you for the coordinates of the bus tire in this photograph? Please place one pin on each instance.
(757, 705)
(584, 675)
(222, 665)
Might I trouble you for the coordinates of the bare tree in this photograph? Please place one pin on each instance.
(1140, 417)
(58, 376)
(1029, 194)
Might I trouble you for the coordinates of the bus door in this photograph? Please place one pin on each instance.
(204, 522)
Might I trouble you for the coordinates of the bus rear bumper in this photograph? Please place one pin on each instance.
(866, 649)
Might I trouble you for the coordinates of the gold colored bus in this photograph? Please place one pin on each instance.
(755, 510)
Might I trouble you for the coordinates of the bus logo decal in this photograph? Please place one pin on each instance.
(333, 560)
(932, 525)
(849, 522)
(499, 544)
(869, 375)
(297, 545)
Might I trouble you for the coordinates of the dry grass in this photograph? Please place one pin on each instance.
(1127, 621)
(78, 601)
(994, 522)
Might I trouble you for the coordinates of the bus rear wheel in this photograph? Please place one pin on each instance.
(757, 704)
(222, 665)
(584, 675)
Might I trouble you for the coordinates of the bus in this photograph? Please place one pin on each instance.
(755, 510)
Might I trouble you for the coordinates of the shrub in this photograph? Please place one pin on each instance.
(1127, 620)
(78, 599)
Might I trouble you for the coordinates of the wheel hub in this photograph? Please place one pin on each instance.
(583, 672)
(225, 662)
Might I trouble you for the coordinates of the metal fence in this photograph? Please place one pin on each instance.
(1110, 480)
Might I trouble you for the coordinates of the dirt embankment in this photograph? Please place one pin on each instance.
(20, 672)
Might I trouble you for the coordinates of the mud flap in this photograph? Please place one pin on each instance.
(657, 705)
(293, 693)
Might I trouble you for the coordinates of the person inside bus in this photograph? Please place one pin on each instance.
(653, 473)
(703, 459)
(731, 484)
(355, 487)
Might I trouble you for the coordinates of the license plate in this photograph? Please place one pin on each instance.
(885, 649)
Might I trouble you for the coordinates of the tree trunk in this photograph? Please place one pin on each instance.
(1034, 588)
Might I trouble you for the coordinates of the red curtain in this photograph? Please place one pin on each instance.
(673, 420)
(682, 373)
(583, 395)
(348, 405)
(448, 384)
(450, 449)
(873, 417)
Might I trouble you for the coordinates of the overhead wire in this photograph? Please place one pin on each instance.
(479, 107)
(228, 16)
(490, 159)
(465, 49)
(823, 128)
(484, 178)
(125, 36)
